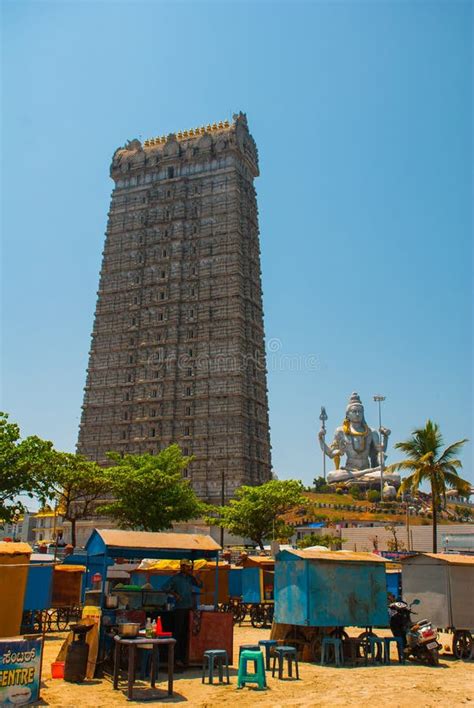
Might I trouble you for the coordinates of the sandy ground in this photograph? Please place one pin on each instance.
(414, 685)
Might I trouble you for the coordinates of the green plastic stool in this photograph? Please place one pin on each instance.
(258, 676)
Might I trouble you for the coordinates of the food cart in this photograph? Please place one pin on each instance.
(444, 584)
(53, 596)
(258, 590)
(319, 593)
(39, 588)
(209, 628)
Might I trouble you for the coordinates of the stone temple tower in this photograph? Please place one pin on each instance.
(177, 351)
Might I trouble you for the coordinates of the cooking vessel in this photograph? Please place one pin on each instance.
(129, 629)
(111, 601)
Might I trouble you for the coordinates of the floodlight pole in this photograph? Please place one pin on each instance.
(323, 418)
(379, 399)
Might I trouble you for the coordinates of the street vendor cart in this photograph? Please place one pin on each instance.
(319, 593)
(143, 598)
(444, 584)
(258, 590)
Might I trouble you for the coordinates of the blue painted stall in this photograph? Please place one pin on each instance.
(235, 582)
(258, 580)
(39, 585)
(330, 589)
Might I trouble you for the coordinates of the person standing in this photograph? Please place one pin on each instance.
(181, 587)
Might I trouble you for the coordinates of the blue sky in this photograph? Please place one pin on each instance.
(362, 113)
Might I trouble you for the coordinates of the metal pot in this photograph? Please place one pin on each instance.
(111, 602)
(129, 629)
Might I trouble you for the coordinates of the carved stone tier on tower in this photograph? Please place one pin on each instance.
(177, 350)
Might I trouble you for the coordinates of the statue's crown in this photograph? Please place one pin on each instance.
(355, 398)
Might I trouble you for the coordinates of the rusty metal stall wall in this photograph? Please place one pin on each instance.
(330, 589)
(444, 584)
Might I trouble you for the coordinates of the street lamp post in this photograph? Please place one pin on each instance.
(323, 418)
(379, 399)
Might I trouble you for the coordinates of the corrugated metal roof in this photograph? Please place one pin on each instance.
(452, 558)
(115, 538)
(339, 556)
(13, 548)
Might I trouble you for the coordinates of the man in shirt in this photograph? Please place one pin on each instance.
(181, 587)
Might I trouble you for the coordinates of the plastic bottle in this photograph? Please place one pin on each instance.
(148, 629)
(159, 626)
(153, 628)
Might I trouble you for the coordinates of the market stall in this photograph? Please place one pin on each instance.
(444, 584)
(319, 593)
(143, 597)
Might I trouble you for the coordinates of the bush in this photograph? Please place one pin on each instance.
(339, 490)
(373, 496)
(354, 491)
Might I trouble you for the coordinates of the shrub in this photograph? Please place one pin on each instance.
(339, 490)
(354, 491)
(373, 496)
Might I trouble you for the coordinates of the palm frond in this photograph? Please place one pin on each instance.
(451, 450)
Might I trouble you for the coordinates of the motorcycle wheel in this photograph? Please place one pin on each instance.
(463, 644)
(433, 657)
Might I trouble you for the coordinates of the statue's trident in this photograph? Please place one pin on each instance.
(323, 418)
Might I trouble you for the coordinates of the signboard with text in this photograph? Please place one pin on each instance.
(20, 667)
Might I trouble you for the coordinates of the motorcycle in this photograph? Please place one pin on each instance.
(420, 639)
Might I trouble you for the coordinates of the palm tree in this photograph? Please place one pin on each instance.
(427, 462)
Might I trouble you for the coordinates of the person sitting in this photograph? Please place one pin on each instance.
(181, 587)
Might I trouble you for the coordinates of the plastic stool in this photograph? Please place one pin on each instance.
(374, 643)
(386, 649)
(268, 644)
(249, 647)
(258, 676)
(208, 662)
(282, 653)
(336, 644)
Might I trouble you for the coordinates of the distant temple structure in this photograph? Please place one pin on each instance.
(177, 351)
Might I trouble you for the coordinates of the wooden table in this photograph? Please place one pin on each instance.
(132, 652)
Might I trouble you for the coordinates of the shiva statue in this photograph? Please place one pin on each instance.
(362, 446)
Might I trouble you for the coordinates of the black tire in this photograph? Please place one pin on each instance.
(296, 638)
(463, 645)
(257, 617)
(365, 636)
(61, 620)
(433, 657)
(269, 611)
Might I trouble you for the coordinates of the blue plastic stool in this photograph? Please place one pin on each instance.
(334, 643)
(268, 644)
(258, 676)
(374, 644)
(386, 649)
(208, 663)
(282, 653)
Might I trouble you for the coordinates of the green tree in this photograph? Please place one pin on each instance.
(78, 486)
(255, 512)
(320, 486)
(22, 467)
(428, 462)
(149, 491)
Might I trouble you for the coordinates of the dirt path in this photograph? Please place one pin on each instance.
(410, 686)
